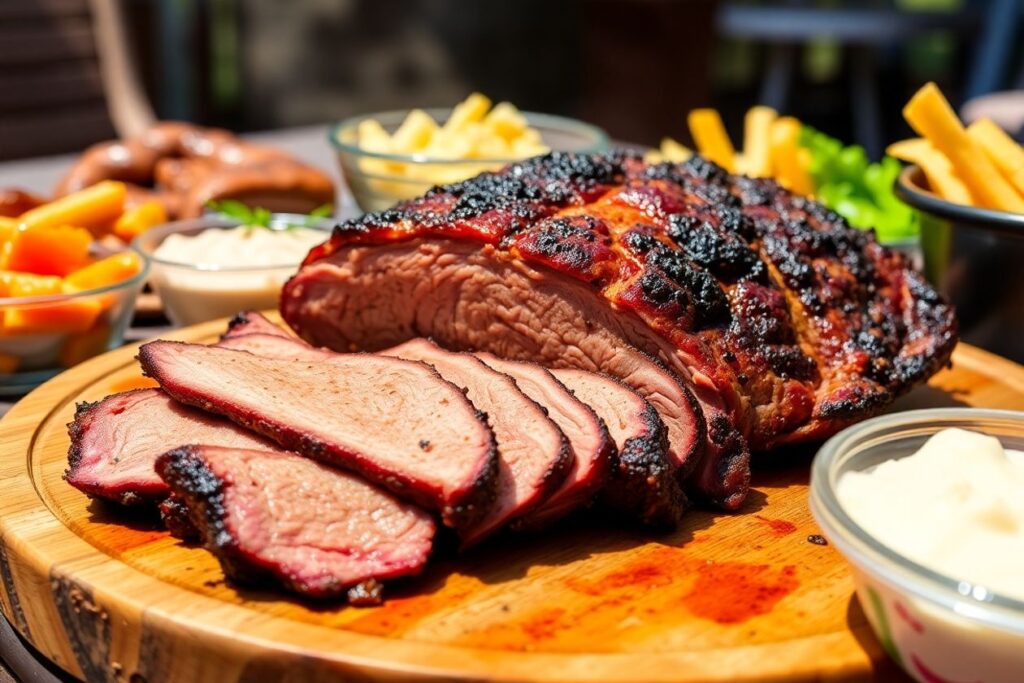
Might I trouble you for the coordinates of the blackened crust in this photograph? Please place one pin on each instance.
(202, 491)
(644, 485)
(174, 515)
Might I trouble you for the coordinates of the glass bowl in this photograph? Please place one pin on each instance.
(378, 181)
(40, 336)
(936, 627)
(193, 293)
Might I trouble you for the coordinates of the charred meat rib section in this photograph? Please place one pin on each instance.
(782, 321)
(366, 413)
(315, 529)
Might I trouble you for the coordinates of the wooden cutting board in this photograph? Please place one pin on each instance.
(110, 597)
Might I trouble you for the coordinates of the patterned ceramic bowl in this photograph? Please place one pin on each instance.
(938, 628)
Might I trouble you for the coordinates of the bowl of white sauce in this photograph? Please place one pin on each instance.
(212, 267)
(928, 508)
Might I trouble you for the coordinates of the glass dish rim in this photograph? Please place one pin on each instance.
(221, 222)
(896, 568)
(135, 280)
(601, 138)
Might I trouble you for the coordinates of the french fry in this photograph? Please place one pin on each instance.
(930, 115)
(95, 208)
(712, 141)
(936, 168)
(505, 121)
(757, 127)
(415, 132)
(1003, 150)
(674, 151)
(788, 164)
(470, 110)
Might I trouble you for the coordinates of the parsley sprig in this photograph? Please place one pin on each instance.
(257, 216)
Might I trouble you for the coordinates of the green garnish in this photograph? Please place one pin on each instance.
(860, 191)
(258, 217)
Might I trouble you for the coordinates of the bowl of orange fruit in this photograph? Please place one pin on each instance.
(68, 281)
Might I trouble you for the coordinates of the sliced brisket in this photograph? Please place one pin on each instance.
(115, 443)
(251, 322)
(592, 447)
(643, 485)
(396, 422)
(784, 322)
(533, 453)
(313, 528)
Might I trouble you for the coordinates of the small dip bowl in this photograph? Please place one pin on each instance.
(193, 293)
(936, 627)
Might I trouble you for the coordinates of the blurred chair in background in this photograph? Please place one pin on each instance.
(987, 29)
(66, 77)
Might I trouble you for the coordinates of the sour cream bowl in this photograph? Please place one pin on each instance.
(936, 627)
(212, 267)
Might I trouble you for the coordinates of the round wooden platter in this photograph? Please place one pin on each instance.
(108, 596)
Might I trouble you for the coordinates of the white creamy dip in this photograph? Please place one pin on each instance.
(244, 246)
(955, 506)
(228, 270)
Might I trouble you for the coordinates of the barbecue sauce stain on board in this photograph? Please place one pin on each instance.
(779, 527)
(733, 592)
(397, 615)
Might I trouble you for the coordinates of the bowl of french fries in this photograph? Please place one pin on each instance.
(967, 183)
(391, 156)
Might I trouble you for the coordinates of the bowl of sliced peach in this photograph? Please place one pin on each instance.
(67, 285)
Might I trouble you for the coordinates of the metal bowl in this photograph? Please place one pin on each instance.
(974, 256)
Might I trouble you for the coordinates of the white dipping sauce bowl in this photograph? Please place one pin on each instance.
(936, 627)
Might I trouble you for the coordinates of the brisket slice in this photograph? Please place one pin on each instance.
(115, 443)
(251, 322)
(276, 346)
(643, 485)
(533, 453)
(398, 423)
(592, 448)
(786, 323)
(313, 528)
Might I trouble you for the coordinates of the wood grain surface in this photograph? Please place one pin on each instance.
(109, 596)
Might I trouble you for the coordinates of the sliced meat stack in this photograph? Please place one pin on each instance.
(115, 443)
(315, 529)
(533, 453)
(378, 416)
(590, 445)
(644, 484)
(781, 321)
